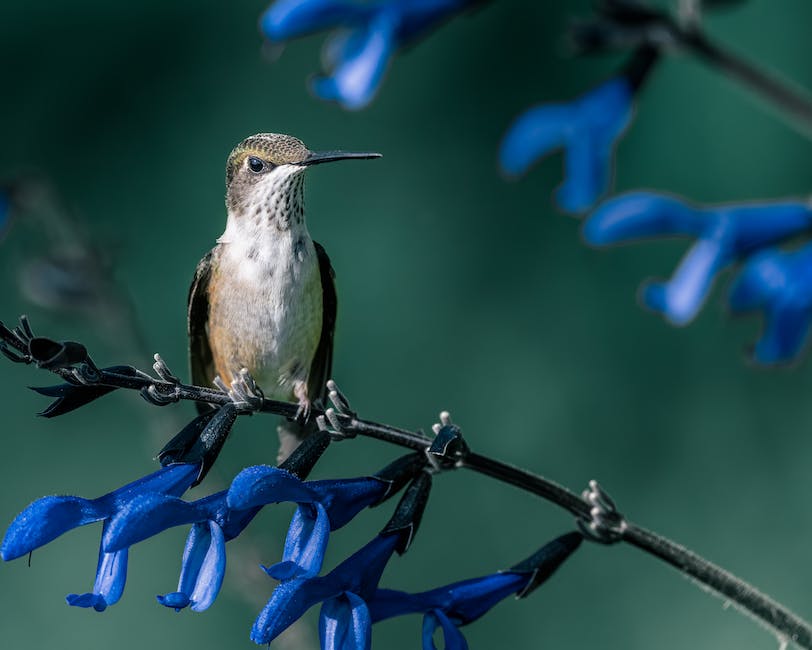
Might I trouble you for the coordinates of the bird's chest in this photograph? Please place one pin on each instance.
(265, 314)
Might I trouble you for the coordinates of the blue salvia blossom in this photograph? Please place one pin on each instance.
(366, 37)
(323, 506)
(460, 603)
(780, 284)
(220, 517)
(352, 602)
(345, 620)
(204, 557)
(49, 517)
(587, 129)
(723, 234)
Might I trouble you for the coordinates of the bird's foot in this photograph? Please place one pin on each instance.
(303, 412)
(337, 417)
(244, 391)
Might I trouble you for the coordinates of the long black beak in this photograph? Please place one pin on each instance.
(318, 157)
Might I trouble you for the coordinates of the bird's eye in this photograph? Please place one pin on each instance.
(256, 165)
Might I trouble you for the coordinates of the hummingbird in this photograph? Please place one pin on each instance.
(264, 298)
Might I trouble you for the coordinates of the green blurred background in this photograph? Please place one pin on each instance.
(457, 291)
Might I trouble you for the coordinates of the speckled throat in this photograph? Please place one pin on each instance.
(265, 294)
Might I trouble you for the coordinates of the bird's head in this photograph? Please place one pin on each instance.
(264, 173)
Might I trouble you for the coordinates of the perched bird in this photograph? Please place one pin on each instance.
(264, 297)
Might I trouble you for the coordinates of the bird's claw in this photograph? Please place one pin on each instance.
(303, 412)
(162, 370)
(244, 392)
(604, 524)
(339, 399)
(331, 421)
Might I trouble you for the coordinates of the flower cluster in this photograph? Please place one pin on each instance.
(350, 596)
(365, 37)
(775, 281)
(49, 517)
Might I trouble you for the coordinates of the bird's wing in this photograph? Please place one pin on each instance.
(200, 357)
(322, 364)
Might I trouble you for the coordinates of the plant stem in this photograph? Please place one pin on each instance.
(742, 595)
(788, 99)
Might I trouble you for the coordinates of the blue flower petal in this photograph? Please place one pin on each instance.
(535, 134)
(287, 19)
(785, 334)
(173, 480)
(763, 276)
(177, 600)
(212, 570)
(465, 601)
(147, 515)
(45, 520)
(289, 601)
(111, 574)
(194, 553)
(681, 298)
(304, 545)
(361, 572)
(344, 624)
(587, 128)
(357, 54)
(723, 235)
(452, 637)
(638, 215)
(587, 172)
(262, 484)
(345, 498)
(779, 283)
(87, 601)
(360, 66)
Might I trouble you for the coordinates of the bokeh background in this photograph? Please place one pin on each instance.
(458, 290)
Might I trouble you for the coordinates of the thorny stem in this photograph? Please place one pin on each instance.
(773, 615)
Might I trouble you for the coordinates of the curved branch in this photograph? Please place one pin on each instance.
(595, 508)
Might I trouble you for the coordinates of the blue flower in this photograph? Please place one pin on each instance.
(586, 128)
(323, 506)
(49, 517)
(204, 558)
(779, 283)
(220, 517)
(357, 55)
(352, 601)
(463, 602)
(450, 606)
(345, 620)
(724, 234)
